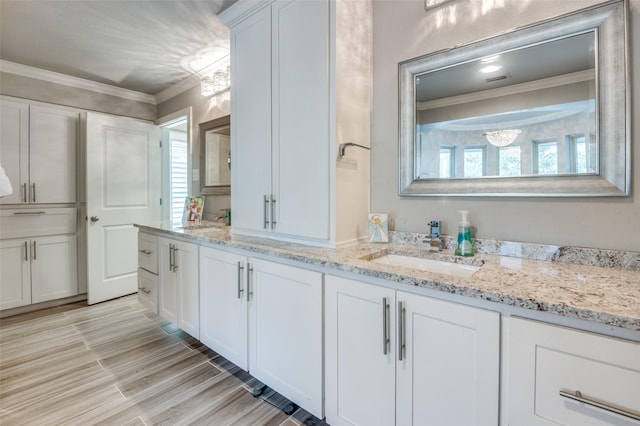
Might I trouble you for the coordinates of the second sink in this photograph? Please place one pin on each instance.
(428, 265)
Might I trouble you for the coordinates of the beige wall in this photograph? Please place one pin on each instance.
(202, 109)
(403, 30)
(44, 91)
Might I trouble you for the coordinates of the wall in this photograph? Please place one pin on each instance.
(202, 109)
(44, 91)
(404, 30)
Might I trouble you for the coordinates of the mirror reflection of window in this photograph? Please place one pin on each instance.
(545, 157)
(509, 163)
(474, 161)
(447, 161)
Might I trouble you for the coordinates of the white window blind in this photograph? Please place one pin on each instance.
(178, 173)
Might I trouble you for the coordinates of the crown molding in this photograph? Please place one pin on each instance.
(80, 83)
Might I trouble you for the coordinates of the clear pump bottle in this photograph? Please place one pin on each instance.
(465, 247)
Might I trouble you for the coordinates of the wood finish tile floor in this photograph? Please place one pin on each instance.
(116, 363)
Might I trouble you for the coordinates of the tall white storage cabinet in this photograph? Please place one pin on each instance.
(38, 153)
(296, 86)
(433, 362)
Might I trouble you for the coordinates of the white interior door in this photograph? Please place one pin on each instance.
(123, 188)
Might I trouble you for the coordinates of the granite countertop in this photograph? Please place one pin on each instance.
(607, 295)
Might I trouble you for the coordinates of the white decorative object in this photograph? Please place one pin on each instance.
(378, 227)
(502, 137)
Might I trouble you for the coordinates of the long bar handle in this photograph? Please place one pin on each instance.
(175, 258)
(402, 330)
(145, 251)
(273, 212)
(29, 213)
(35, 253)
(26, 251)
(171, 257)
(24, 192)
(385, 326)
(33, 192)
(604, 405)
(240, 289)
(249, 273)
(264, 212)
(144, 290)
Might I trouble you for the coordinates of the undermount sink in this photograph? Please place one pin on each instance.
(428, 265)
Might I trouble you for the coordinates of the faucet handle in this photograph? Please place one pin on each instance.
(434, 228)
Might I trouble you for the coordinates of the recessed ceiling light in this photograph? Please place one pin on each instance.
(490, 68)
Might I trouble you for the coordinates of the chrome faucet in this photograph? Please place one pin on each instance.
(435, 243)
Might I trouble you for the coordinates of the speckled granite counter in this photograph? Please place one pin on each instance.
(606, 295)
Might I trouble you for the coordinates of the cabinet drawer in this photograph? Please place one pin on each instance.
(22, 223)
(564, 376)
(148, 252)
(148, 290)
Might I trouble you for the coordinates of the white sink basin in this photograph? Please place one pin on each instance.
(428, 265)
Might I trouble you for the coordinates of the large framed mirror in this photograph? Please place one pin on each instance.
(538, 111)
(215, 156)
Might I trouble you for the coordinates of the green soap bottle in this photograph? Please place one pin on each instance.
(465, 247)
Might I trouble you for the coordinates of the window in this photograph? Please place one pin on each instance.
(509, 161)
(178, 171)
(447, 161)
(474, 161)
(582, 155)
(545, 157)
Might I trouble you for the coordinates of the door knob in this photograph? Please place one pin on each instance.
(94, 218)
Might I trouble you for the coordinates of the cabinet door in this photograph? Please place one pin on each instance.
(251, 124)
(15, 273)
(148, 290)
(167, 281)
(449, 372)
(14, 149)
(359, 375)
(186, 263)
(545, 360)
(53, 143)
(301, 118)
(285, 339)
(223, 305)
(54, 267)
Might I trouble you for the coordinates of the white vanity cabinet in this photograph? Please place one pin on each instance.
(38, 152)
(562, 376)
(400, 358)
(224, 304)
(38, 256)
(178, 282)
(284, 130)
(266, 318)
(148, 271)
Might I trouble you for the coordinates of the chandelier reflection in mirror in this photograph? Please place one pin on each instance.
(502, 137)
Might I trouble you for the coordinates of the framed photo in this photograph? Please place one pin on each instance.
(193, 208)
(378, 228)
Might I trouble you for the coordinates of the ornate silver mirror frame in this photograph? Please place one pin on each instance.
(610, 23)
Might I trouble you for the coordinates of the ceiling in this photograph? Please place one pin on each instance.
(142, 45)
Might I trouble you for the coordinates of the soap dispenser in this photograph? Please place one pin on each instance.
(464, 248)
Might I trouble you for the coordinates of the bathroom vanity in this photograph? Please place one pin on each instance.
(364, 342)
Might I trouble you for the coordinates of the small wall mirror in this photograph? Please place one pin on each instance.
(541, 110)
(215, 156)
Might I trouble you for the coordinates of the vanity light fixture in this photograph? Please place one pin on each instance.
(432, 4)
(502, 137)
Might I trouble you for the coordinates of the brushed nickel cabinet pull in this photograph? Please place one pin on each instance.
(35, 254)
(29, 213)
(604, 405)
(145, 251)
(240, 289)
(171, 254)
(402, 330)
(249, 273)
(175, 258)
(144, 290)
(24, 192)
(33, 192)
(385, 326)
(273, 212)
(264, 212)
(26, 251)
